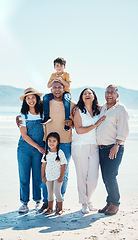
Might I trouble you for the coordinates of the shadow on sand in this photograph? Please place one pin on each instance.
(52, 223)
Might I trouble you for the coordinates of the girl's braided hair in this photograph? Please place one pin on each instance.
(55, 135)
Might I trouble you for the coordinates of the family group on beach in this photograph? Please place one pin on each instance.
(46, 144)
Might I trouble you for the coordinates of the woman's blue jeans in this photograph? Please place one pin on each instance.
(109, 169)
(66, 148)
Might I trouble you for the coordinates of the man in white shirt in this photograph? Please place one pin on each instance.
(111, 135)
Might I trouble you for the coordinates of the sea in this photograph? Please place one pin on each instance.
(8, 119)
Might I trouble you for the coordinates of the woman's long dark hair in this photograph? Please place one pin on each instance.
(38, 106)
(55, 135)
(95, 105)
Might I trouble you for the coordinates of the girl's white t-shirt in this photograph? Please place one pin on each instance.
(30, 117)
(89, 137)
(53, 167)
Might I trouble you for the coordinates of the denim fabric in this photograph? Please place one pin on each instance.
(66, 102)
(46, 100)
(29, 158)
(109, 169)
(67, 105)
(66, 148)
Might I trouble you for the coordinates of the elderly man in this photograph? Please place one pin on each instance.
(57, 114)
(111, 136)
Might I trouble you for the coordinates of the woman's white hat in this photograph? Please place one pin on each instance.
(29, 91)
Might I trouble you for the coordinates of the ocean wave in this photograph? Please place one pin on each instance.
(133, 118)
(8, 127)
(7, 118)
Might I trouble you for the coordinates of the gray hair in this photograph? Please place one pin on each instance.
(112, 85)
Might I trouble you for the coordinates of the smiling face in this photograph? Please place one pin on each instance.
(57, 91)
(31, 100)
(52, 143)
(111, 96)
(87, 96)
(59, 68)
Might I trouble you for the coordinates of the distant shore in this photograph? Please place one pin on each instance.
(10, 95)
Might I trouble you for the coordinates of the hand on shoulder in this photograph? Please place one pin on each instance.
(18, 121)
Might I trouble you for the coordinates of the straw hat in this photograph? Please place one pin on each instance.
(29, 91)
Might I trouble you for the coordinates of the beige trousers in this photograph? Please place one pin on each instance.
(86, 159)
(54, 187)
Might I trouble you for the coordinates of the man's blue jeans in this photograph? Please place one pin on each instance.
(109, 169)
(66, 148)
(66, 101)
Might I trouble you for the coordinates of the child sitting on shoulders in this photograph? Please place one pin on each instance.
(64, 78)
(52, 171)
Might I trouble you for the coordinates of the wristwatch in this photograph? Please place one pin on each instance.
(117, 143)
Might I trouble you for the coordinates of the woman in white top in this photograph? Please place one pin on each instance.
(84, 146)
(30, 148)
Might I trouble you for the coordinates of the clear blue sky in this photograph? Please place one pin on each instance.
(98, 39)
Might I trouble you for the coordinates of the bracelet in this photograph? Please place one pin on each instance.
(117, 143)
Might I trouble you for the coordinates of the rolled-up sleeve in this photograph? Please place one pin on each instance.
(123, 124)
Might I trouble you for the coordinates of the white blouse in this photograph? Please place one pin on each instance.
(53, 167)
(89, 137)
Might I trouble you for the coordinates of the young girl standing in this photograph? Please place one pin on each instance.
(52, 171)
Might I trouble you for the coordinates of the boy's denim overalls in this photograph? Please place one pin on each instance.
(30, 158)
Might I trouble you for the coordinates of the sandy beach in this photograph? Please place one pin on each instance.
(72, 224)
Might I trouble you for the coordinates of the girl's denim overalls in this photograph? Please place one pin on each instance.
(30, 158)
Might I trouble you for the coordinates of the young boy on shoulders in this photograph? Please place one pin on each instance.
(64, 78)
